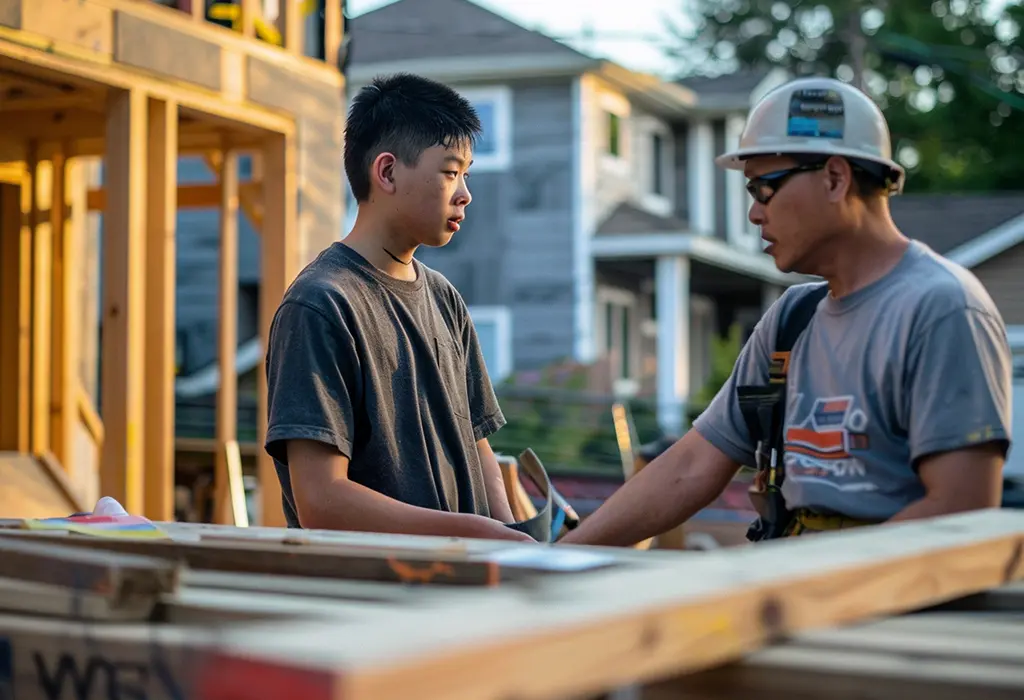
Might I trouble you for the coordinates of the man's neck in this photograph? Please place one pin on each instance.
(864, 257)
(383, 250)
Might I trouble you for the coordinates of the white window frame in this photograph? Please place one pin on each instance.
(620, 298)
(614, 103)
(500, 96)
(501, 317)
(660, 204)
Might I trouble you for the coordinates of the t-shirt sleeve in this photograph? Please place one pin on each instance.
(483, 403)
(313, 380)
(958, 384)
(722, 422)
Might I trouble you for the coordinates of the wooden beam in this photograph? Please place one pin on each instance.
(333, 33)
(123, 349)
(161, 247)
(193, 197)
(227, 336)
(278, 260)
(42, 176)
(15, 320)
(251, 11)
(66, 259)
(248, 193)
(290, 22)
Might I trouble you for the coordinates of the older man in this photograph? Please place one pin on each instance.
(880, 394)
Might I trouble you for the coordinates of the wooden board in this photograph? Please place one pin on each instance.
(592, 633)
(539, 637)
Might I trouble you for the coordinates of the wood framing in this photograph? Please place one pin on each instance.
(227, 336)
(131, 86)
(124, 332)
(160, 254)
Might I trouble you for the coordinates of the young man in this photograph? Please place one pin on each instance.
(379, 402)
(899, 386)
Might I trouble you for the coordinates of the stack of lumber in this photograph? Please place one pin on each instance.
(222, 613)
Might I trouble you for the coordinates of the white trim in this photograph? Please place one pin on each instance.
(736, 199)
(989, 244)
(584, 188)
(500, 96)
(700, 174)
(672, 297)
(703, 248)
(501, 317)
(1015, 336)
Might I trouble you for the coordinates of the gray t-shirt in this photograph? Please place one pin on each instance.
(387, 371)
(916, 363)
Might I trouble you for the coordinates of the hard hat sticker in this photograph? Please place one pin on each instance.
(817, 114)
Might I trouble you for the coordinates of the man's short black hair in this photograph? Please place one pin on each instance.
(403, 114)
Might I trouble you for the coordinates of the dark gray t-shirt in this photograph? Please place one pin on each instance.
(387, 371)
(916, 363)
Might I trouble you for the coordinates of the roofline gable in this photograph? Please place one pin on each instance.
(989, 244)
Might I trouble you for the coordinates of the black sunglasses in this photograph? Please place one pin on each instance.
(763, 187)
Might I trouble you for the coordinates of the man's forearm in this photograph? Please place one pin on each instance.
(664, 494)
(346, 505)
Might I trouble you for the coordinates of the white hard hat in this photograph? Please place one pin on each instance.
(817, 116)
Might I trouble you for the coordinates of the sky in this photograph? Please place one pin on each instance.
(624, 37)
(629, 38)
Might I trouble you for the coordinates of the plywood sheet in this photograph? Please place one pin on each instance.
(167, 52)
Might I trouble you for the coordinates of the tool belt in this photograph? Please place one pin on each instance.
(804, 522)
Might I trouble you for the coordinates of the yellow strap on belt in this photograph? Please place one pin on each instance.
(805, 521)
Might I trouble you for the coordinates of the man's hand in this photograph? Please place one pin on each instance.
(957, 481)
(668, 491)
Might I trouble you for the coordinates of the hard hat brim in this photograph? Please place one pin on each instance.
(734, 160)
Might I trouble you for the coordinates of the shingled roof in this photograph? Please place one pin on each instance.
(947, 221)
(423, 29)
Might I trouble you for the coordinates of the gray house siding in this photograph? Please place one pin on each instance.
(681, 204)
(721, 201)
(198, 265)
(515, 248)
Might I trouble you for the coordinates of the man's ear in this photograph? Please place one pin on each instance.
(382, 173)
(839, 178)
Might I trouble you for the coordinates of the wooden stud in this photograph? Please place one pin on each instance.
(250, 11)
(227, 392)
(41, 175)
(278, 256)
(332, 31)
(199, 197)
(161, 215)
(290, 24)
(64, 368)
(124, 241)
(15, 320)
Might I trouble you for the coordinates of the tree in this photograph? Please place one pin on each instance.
(948, 74)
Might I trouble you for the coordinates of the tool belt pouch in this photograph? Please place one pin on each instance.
(763, 410)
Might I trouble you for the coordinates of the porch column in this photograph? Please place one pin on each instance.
(672, 296)
(700, 166)
(770, 293)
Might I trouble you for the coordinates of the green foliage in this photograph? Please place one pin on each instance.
(724, 352)
(948, 74)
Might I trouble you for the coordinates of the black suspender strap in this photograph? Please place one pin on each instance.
(764, 411)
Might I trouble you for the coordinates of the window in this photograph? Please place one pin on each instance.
(618, 329)
(657, 164)
(614, 134)
(494, 331)
(494, 145)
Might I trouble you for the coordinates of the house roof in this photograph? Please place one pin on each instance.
(628, 218)
(741, 82)
(427, 29)
(949, 223)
